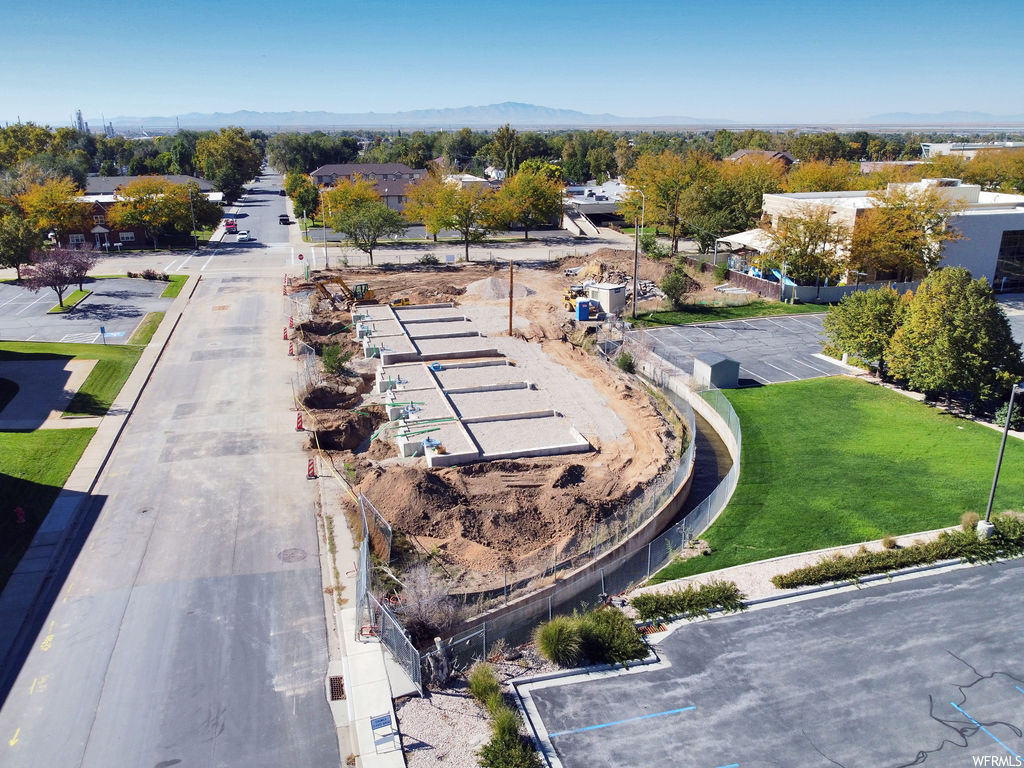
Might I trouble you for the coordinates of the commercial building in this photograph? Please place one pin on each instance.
(964, 149)
(390, 180)
(992, 225)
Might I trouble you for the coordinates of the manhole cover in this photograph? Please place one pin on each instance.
(292, 555)
(220, 307)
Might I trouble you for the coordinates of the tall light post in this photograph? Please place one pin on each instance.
(985, 527)
(636, 247)
(192, 210)
(323, 214)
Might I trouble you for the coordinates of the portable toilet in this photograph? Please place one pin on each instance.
(583, 309)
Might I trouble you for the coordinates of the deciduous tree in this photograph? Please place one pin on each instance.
(18, 239)
(905, 232)
(809, 244)
(863, 323)
(228, 159)
(143, 203)
(530, 199)
(366, 223)
(955, 339)
(57, 269)
(428, 202)
(54, 206)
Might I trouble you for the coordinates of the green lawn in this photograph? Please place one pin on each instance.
(35, 465)
(174, 287)
(33, 468)
(69, 303)
(114, 364)
(838, 461)
(702, 313)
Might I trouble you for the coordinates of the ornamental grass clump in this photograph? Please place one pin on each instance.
(692, 601)
(602, 636)
(962, 544)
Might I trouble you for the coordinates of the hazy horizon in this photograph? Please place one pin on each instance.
(749, 62)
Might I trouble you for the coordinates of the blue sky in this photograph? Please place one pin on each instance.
(744, 60)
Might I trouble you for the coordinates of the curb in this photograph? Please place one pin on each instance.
(70, 505)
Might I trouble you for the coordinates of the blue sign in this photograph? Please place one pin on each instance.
(103, 331)
(379, 723)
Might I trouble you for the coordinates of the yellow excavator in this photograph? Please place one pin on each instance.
(359, 293)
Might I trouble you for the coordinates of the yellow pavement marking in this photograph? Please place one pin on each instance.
(48, 640)
(67, 592)
(38, 684)
(14, 740)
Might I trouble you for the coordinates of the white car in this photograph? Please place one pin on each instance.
(244, 237)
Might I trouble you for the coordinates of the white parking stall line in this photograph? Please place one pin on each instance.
(184, 264)
(170, 266)
(291, 258)
(28, 306)
(754, 376)
(803, 324)
(822, 371)
(793, 376)
(16, 297)
(80, 338)
(312, 257)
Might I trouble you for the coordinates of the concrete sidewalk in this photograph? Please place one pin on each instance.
(363, 663)
(23, 601)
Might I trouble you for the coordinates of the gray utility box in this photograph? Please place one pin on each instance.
(716, 370)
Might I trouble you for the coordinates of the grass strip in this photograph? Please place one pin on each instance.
(70, 303)
(837, 461)
(177, 282)
(144, 333)
(706, 313)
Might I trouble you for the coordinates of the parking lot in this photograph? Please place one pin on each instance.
(922, 671)
(117, 305)
(769, 349)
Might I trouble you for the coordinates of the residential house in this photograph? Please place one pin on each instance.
(101, 194)
(765, 154)
(391, 180)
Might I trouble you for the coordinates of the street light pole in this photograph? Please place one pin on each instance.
(636, 247)
(985, 527)
(192, 210)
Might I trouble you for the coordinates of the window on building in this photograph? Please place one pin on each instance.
(1009, 274)
(76, 239)
(127, 237)
(99, 219)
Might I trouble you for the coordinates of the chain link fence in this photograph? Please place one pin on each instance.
(594, 584)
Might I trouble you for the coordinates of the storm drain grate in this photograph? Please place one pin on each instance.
(650, 629)
(337, 688)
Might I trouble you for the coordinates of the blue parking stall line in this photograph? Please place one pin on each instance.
(986, 730)
(1019, 688)
(731, 765)
(622, 722)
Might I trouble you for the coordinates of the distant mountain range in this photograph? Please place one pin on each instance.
(944, 118)
(490, 116)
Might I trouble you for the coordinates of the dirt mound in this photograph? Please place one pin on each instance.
(487, 515)
(497, 288)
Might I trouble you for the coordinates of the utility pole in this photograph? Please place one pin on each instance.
(511, 280)
(636, 261)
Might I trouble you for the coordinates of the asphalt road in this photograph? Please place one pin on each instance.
(190, 630)
(117, 305)
(919, 672)
(769, 349)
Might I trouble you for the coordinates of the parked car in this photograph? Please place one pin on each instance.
(245, 237)
(283, 219)
(280, 192)
(230, 226)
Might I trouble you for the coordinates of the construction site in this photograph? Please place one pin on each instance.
(492, 455)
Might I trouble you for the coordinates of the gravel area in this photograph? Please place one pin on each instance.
(448, 726)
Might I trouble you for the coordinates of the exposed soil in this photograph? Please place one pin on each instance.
(485, 516)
